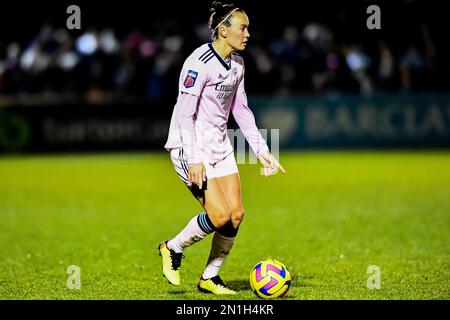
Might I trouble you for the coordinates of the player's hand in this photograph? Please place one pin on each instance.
(197, 174)
(270, 164)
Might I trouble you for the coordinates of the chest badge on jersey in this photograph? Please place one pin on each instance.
(190, 79)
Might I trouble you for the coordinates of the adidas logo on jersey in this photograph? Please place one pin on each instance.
(220, 76)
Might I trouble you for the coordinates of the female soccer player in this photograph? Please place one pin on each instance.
(211, 85)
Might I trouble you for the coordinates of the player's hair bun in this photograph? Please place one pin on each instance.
(218, 11)
(215, 6)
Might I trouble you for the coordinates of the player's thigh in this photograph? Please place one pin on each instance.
(214, 201)
(231, 188)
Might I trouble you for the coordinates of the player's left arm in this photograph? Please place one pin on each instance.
(246, 120)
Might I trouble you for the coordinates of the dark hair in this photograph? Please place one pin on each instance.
(219, 11)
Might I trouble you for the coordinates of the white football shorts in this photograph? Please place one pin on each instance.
(222, 168)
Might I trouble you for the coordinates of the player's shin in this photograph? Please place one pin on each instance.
(197, 229)
(222, 243)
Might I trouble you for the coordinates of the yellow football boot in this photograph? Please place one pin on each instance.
(171, 262)
(214, 285)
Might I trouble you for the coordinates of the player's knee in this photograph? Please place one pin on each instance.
(237, 214)
(220, 217)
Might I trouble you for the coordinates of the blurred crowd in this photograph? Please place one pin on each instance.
(102, 63)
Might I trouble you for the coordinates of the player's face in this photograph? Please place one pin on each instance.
(237, 33)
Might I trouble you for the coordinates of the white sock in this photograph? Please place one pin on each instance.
(220, 248)
(197, 228)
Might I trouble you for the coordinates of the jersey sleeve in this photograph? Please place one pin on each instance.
(188, 104)
(246, 120)
(193, 76)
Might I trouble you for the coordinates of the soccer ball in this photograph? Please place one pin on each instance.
(270, 279)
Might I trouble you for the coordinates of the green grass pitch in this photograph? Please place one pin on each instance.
(328, 219)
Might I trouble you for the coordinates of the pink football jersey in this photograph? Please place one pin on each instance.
(209, 88)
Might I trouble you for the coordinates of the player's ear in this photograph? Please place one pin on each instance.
(223, 31)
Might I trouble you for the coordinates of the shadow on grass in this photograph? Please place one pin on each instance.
(239, 285)
(300, 280)
(177, 292)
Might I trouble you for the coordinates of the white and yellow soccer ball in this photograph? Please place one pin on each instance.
(270, 279)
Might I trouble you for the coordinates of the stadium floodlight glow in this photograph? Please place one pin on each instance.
(357, 61)
(87, 44)
(108, 42)
(68, 60)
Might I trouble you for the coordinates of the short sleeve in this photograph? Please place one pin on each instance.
(193, 77)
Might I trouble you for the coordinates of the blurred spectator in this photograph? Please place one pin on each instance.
(99, 64)
(385, 70)
(411, 65)
(359, 63)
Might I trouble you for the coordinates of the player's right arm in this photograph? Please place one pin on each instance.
(246, 121)
(192, 81)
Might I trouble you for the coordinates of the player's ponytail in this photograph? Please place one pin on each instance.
(220, 13)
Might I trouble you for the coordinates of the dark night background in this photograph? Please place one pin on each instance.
(304, 48)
